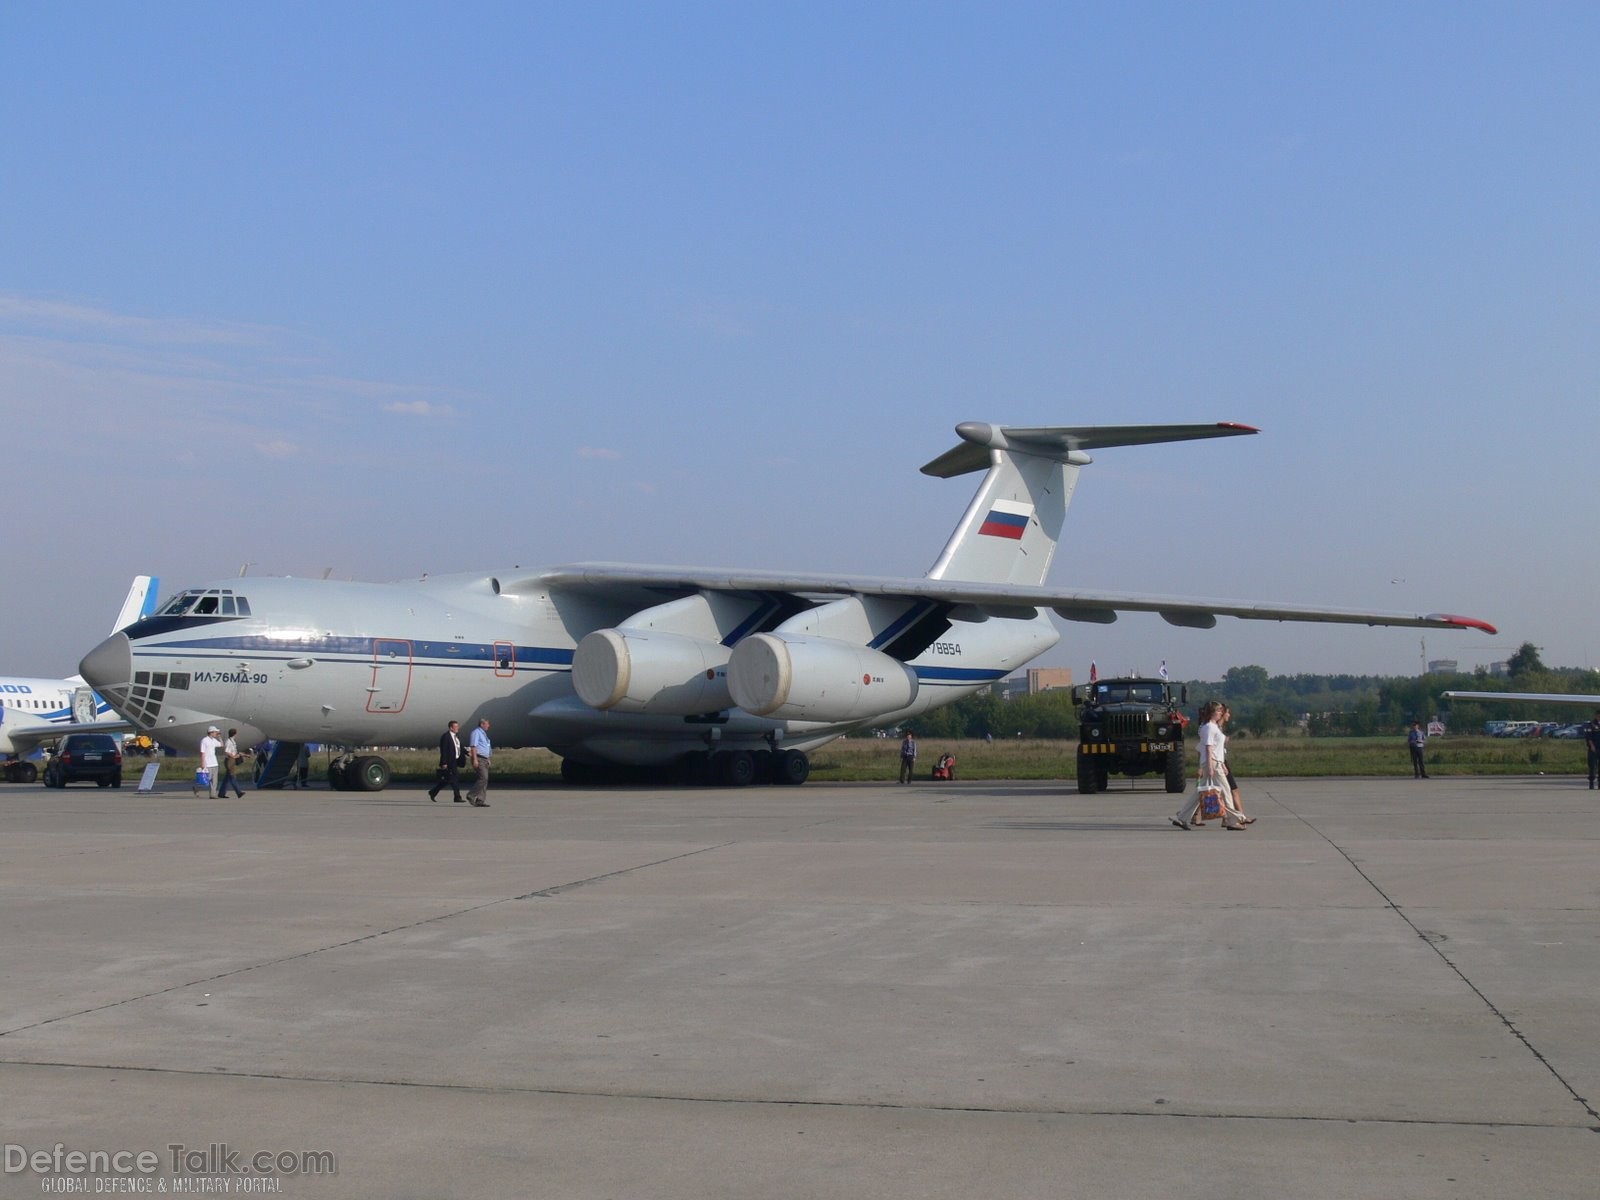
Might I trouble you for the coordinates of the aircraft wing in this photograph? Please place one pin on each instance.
(995, 599)
(1531, 697)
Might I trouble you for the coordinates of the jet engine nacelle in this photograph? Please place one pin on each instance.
(790, 677)
(642, 671)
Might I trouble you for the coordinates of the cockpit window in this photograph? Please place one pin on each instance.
(197, 603)
(179, 604)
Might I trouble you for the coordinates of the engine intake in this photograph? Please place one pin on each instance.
(792, 677)
(634, 671)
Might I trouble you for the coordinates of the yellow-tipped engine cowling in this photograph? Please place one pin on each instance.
(640, 671)
(790, 677)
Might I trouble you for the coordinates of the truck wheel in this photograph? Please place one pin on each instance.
(1175, 778)
(1086, 777)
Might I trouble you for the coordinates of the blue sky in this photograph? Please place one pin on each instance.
(402, 288)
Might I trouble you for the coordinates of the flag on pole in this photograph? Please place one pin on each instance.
(1094, 674)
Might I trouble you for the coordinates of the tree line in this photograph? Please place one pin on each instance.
(1339, 705)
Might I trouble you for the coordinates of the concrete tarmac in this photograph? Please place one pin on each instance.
(1382, 989)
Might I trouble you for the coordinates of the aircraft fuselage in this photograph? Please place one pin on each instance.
(388, 664)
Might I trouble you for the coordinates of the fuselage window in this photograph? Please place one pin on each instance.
(227, 606)
(179, 681)
(207, 605)
(243, 605)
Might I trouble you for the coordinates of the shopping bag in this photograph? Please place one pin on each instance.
(202, 778)
(1210, 804)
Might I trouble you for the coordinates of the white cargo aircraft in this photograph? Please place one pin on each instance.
(36, 711)
(726, 674)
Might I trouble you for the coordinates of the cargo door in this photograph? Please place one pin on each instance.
(391, 676)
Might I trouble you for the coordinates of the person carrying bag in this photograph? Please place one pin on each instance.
(1212, 783)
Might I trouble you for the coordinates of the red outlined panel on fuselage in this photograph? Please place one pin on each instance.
(391, 676)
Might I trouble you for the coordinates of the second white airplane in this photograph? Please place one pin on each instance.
(729, 675)
(36, 711)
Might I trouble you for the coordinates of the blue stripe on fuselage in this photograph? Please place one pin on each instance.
(958, 674)
(356, 649)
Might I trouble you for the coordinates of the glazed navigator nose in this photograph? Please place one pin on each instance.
(108, 665)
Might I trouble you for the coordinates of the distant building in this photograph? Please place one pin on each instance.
(1500, 670)
(1035, 680)
(1444, 666)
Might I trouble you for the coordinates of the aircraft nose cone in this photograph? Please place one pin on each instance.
(110, 664)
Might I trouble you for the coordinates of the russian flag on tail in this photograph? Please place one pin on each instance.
(1007, 519)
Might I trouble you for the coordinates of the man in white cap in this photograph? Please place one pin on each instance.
(209, 745)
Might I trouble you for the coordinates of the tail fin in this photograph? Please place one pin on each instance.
(1009, 532)
(141, 601)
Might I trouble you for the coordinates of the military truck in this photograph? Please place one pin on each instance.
(1129, 727)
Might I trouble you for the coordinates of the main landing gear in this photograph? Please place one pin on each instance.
(723, 768)
(741, 768)
(17, 771)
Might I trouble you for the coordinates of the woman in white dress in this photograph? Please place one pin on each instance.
(1213, 745)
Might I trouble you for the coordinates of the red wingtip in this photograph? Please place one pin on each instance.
(1464, 622)
(1236, 425)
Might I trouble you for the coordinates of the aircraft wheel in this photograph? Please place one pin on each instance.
(695, 769)
(791, 767)
(579, 774)
(369, 773)
(336, 776)
(30, 773)
(736, 768)
(1086, 777)
(1175, 778)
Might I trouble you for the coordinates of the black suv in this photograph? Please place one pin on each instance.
(96, 756)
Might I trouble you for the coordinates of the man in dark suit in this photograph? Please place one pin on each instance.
(449, 763)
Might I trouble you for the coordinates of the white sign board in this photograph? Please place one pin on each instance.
(147, 781)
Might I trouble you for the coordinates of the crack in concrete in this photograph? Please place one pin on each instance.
(1435, 941)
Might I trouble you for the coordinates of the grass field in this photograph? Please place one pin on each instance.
(865, 759)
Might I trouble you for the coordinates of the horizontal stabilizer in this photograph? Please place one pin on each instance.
(1064, 443)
